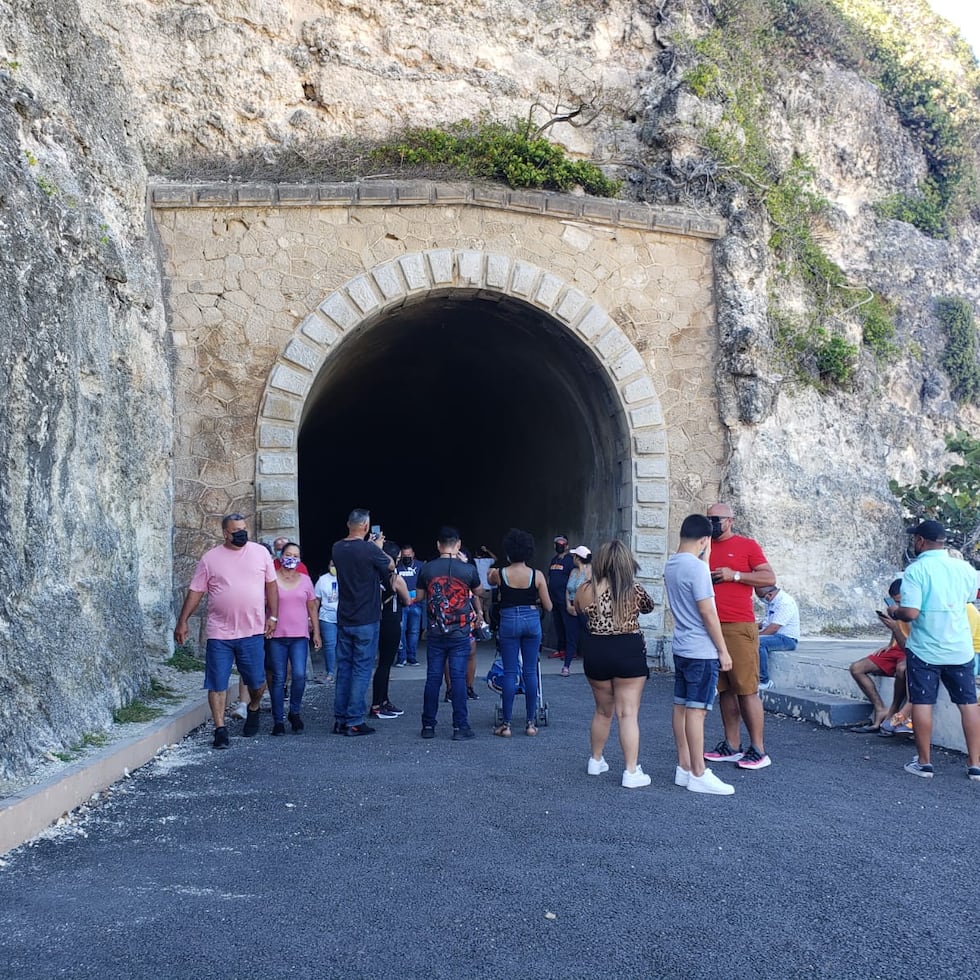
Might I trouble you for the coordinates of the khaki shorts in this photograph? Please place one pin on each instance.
(742, 640)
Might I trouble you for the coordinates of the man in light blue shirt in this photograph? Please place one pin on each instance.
(935, 591)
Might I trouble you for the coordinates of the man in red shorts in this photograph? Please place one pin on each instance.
(738, 566)
(887, 662)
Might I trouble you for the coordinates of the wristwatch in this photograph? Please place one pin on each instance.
(273, 619)
(737, 577)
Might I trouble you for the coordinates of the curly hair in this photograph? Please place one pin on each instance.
(615, 566)
(518, 545)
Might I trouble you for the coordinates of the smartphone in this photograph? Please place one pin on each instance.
(889, 601)
(375, 532)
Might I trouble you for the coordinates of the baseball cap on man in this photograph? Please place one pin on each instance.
(929, 530)
(560, 537)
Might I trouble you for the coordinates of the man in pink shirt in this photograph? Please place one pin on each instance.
(239, 579)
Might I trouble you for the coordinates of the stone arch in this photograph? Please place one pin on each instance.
(415, 277)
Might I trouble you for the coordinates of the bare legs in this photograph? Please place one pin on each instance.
(747, 707)
(922, 723)
(216, 702)
(622, 697)
(688, 725)
(862, 670)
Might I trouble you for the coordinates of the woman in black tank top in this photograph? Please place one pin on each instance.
(521, 589)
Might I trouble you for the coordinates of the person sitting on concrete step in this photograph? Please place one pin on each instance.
(889, 661)
(780, 628)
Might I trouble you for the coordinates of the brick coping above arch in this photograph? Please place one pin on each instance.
(411, 277)
(408, 193)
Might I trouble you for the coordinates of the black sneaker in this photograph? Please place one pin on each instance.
(381, 711)
(278, 728)
(723, 752)
(220, 738)
(339, 728)
(391, 709)
(412, 663)
(449, 696)
(296, 722)
(461, 734)
(428, 731)
(471, 695)
(360, 729)
(251, 725)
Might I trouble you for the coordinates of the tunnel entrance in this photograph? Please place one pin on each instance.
(483, 413)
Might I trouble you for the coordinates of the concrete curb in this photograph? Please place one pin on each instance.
(26, 814)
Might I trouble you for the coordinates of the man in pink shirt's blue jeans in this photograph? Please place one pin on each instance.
(239, 580)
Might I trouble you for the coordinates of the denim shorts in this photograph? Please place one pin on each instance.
(695, 682)
(247, 653)
(923, 680)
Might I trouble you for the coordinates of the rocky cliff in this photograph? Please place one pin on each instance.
(86, 432)
(97, 96)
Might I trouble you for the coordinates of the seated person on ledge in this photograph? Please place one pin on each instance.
(887, 662)
(779, 630)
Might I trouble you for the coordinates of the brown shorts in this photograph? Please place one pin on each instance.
(742, 640)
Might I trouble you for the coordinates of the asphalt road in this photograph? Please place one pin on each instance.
(389, 856)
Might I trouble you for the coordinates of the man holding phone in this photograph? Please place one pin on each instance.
(887, 662)
(362, 570)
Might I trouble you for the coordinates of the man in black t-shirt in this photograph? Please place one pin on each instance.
(363, 569)
(451, 590)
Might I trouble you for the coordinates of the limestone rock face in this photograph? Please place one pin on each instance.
(86, 430)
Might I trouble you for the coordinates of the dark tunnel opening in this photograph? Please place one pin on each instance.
(468, 411)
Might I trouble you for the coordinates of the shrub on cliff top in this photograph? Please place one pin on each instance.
(495, 151)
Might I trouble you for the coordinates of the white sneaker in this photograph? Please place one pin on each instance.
(598, 766)
(681, 776)
(709, 783)
(240, 710)
(635, 779)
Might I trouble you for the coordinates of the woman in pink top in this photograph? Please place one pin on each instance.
(290, 643)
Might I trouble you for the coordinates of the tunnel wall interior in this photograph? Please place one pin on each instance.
(459, 409)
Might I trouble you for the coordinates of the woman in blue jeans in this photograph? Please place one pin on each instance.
(290, 643)
(521, 588)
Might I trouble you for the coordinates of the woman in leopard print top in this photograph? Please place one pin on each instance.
(614, 655)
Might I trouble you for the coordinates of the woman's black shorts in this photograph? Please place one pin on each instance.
(620, 655)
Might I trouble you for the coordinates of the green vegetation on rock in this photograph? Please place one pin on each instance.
(951, 497)
(961, 359)
(490, 150)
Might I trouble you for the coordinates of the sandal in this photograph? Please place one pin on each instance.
(529, 729)
(503, 730)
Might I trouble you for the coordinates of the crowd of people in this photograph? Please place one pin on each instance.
(368, 610)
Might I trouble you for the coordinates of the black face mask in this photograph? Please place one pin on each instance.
(716, 530)
(239, 538)
(406, 561)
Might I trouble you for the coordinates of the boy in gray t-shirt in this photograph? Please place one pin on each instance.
(698, 650)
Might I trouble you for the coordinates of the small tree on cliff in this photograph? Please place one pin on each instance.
(952, 498)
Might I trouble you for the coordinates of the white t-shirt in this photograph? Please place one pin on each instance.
(783, 610)
(326, 592)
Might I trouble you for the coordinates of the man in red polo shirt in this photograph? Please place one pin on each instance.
(737, 566)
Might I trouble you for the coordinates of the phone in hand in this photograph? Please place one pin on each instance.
(882, 615)
(375, 532)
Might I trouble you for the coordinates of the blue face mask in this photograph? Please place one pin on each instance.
(290, 562)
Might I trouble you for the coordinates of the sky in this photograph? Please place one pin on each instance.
(965, 14)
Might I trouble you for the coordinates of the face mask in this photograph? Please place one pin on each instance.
(277, 553)
(290, 562)
(238, 538)
(405, 560)
(333, 570)
(716, 530)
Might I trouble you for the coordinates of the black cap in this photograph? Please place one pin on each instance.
(930, 530)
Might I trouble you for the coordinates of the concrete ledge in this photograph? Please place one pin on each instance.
(26, 814)
(392, 193)
(824, 709)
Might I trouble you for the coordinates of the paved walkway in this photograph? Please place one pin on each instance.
(389, 856)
